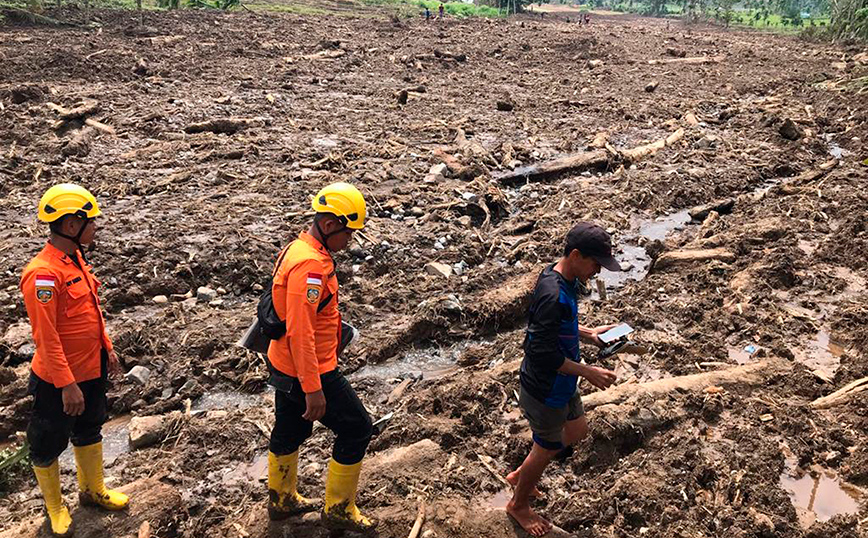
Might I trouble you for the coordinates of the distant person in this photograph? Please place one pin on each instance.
(549, 373)
(441, 10)
(74, 355)
(427, 14)
(587, 19)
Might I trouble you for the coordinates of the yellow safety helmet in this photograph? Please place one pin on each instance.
(344, 201)
(67, 199)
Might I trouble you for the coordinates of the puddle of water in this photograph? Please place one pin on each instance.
(742, 355)
(247, 472)
(428, 363)
(115, 441)
(818, 495)
(661, 227)
(822, 353)
(500, 499)
(634, 256)
(227, 400)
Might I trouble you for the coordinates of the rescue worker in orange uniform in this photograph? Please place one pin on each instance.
(304, 369)
(73, 355)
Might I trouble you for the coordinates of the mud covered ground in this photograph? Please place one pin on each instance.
(321, 100)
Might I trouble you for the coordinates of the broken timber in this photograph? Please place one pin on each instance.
(841, 395)
(750, 374)
(600, 159)
(694, 60)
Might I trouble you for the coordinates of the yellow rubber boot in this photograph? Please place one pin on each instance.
(49, 483)
(340, 512)
(283, 497)
(92, 490)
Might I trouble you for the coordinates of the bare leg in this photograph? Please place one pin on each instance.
(519, 507)
(574, 431)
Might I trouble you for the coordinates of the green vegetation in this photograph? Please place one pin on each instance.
(14, 465)
(453, 9)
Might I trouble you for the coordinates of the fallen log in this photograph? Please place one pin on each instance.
(589, 160)
(750, 374)
(79, 110)
(420, 518)
(224, 125)
(640, 152)
(693, 60)
(683, 257)
(456, 57)
(841, 395)
(107, 129)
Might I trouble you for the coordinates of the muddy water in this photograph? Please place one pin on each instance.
(500, 499)
(115, 441)
(426, 363)
(634, 257)
(819, 494)
(248, 472)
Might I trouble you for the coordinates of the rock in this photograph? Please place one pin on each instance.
(398, 391)
(206, 294)
(189, 304)
(450, 303)
(593, 64)
(403, 95)
(505, 106)
(651, 86)
(675, 53)
(17, 335)
(429, 534)
(141, 68)
(167, 393)
(465, 221)
(790, 130)
(686, 257)
(417, 211)
(160, 299)
(148, 430)
(459, 268)
(707, 142)
(439, 170)
(722, 207)
(138, 404)
(438, 269)
(139, 374)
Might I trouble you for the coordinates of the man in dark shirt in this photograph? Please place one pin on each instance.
(550, 371)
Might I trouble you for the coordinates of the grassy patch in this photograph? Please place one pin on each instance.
(453, 9)
(14, 465)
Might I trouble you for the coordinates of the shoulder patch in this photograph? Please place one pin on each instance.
(312, 293)
(314, 279)
(45, 285)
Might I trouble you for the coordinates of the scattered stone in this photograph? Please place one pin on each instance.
(722, 207)
(429, 534)
(651, 86)
(148, 430)
(675, 53)
(707, 142)
(216, 303)
(206, 294)
(469, 196)
(593, 64)
(138, 404)
(160, 299)
(465, 221)
(505, 106)
(403, 95)
(141, 68)
(459, 268)
(139, 374)
(790, 130)
(167, 393)
(438, 269)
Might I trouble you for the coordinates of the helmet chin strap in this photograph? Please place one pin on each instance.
(325, 236)
(77, 239)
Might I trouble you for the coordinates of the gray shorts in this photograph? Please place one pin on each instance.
(547, 423)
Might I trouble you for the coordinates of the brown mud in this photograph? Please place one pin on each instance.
(225, 124)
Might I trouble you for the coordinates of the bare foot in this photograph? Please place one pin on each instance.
(529, 520)
(512, 478)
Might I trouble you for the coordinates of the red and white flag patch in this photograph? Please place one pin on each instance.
(314, 279)
(44, 288)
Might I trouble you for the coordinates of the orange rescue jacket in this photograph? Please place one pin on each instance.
(65, 316)
(305, 294)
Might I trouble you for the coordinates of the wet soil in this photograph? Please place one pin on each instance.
(184, 210)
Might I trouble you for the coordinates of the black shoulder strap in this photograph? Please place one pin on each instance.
(325, 301)
(280, 260)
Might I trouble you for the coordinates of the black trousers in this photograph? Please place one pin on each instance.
(345, 415)
(50, 429)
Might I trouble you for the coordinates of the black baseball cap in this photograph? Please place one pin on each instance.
(593, 242)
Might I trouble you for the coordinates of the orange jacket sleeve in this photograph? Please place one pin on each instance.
(304, 289)
(41, 290)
